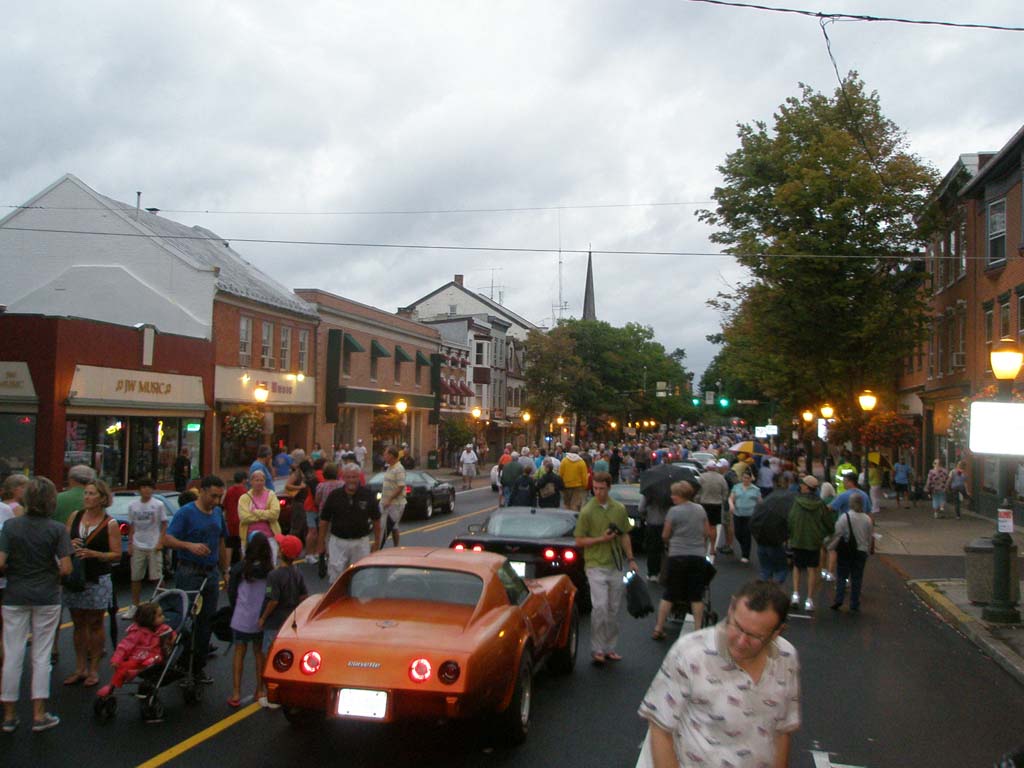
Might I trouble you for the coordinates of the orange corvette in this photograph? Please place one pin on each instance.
(418, 633)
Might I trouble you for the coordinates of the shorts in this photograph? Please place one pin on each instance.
(241, 638)
(394, 513)
(714, 513)
(806, 558)
(685, 579)
(97, 596)
(901, 487)
(469, 470)
(268, 639)
(938, 500)
(312, 520)
(143, 560)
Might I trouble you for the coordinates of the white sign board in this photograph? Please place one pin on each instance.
(236, 385)
(760, 432)
(997, 428)
(1005, 521)
(93, 384)
(16, 382)
(709, 397)
(772, 430)
(823, 430)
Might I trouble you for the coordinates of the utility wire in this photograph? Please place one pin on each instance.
(861, 17)
(226, 242)
(381, 212)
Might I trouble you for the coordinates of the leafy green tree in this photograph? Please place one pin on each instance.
(823, 211)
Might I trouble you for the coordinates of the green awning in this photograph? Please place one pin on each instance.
(378, 350)
(352, 344)
(422, 359)
(401, 355)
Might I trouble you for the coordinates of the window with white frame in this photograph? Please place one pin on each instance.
(931, 352)
(948, 244)
(1004, 319)
(989, 326)
(996, 232)
(267, 345)
(245, 341)
(961, 247)
(480, 356)
(940, 343)
(285, 347)
(303, 351)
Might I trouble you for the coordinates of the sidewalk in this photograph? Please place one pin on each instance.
(929, 555)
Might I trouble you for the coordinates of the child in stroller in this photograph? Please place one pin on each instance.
(147, 642)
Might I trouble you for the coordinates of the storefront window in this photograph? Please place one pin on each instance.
(17, 443)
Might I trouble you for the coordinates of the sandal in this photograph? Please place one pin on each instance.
(90, 681)
(74, 679)
(658, 634)
(613, 656)
(234, 702)
(597, 658)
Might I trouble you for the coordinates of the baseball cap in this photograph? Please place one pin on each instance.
(289, 545)
(711, 464)
(723, 463)
(810, 481)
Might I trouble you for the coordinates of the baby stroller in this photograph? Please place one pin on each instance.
(180, 608)
(680, 609)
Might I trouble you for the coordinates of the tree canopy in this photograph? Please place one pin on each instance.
(824, 211)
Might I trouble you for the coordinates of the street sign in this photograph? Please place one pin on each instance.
(709, 397)
(748, 402)
(1005, 520)
(772, 430)
(760, 432)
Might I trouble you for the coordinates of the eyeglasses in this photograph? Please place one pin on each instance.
(731, 622)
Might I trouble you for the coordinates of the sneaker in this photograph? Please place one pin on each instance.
(808, 604)
(824, 574)
(267, 704)
(203, 677)
(795, 600)
(129, 614)
(653, 579)
(836, 606)
(49, 721)
(10, 726)
(744, 560)
(311, 559)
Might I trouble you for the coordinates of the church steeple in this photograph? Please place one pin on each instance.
(589, 312)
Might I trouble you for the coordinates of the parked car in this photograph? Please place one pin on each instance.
(537, 542)
(424, 634)
(424, 493)
(119, 511)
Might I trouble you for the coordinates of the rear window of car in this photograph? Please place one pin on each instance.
(423, 584)
(534, 526)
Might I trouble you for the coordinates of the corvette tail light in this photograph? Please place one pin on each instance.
(420, 670)
(408, 490)
(569, 555)
(478, 548)
(310, 663)
(124, 528)
(550, 554)
(459, 547)
(283, 660)
(654, 455)
(449, 672)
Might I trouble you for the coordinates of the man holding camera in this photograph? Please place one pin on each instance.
(602, 531)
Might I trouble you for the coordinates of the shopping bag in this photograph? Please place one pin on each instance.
(638, 598)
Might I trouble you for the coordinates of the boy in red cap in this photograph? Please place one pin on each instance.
(285, 590)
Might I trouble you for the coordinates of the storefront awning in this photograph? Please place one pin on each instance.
(466, 389)
(446, 388)
(352, 344)
(378, 350)
(422, 359)
(401, 355)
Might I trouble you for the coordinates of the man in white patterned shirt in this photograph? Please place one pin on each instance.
(728, 696)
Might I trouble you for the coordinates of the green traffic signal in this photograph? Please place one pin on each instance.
(724, 402)
(695, 401)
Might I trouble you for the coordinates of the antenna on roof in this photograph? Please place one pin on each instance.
(138, 204)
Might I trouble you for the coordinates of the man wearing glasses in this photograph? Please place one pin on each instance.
(728, 694)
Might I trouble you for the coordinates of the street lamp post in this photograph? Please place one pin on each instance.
(1006, 360)
(808, 417)
(526, 426)
(867, 401)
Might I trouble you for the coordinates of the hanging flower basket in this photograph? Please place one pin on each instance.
(888, 429)
(960, 415)
(244, 425)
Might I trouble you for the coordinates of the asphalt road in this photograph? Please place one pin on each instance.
(893, 686)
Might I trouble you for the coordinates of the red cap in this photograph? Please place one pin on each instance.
(291, 546)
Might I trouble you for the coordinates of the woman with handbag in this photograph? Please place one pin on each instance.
(853, 542)
(88, 591)
(34, 553)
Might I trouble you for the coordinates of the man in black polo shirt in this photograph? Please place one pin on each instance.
(346, 520)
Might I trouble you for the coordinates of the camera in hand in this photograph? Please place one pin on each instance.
(613, 528)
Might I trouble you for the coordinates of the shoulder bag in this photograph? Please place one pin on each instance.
(846, 547)
(76, 581)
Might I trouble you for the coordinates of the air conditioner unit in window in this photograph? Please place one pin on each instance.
(959, 359)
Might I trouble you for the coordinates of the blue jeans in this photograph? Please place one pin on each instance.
(772, 563)
(190, 578)
(854, 571)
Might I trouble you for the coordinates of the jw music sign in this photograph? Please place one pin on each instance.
(154, 387)
(94, 385)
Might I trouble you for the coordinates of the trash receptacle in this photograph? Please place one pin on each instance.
(978, 567)
(432, 460)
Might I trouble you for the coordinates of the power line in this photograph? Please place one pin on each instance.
(226, 241)
(860, 17)
(396, 212)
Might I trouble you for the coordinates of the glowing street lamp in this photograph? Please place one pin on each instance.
(476, 412)
(401, 406)
(867, 400)
(527, 416)
(808, 416)
(827, 411)
(560, 420)
(261, 393)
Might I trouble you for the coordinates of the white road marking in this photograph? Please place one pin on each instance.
(822, 760)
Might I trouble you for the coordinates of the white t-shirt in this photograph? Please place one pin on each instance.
(146, 517)
(6, 513)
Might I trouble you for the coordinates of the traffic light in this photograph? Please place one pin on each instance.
(724, 402)
(695, 401)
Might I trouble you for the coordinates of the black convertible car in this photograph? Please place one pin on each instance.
(537, 542)
(424, 493)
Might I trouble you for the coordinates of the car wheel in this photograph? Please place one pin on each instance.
(514, 723)
(563, 660)
(428, 508)
(451, 503)
(583, 599)
(302, 718)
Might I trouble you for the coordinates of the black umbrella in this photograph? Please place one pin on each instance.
(656, 481)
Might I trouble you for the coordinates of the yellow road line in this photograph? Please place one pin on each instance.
(445, 523)
(203, 735)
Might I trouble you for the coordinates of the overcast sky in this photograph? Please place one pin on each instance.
(424, 106)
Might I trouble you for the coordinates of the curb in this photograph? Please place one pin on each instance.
(930, 593)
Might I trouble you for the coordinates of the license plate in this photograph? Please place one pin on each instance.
(519, 568)
(358, 702)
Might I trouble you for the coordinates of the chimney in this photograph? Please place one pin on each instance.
(458, 280)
